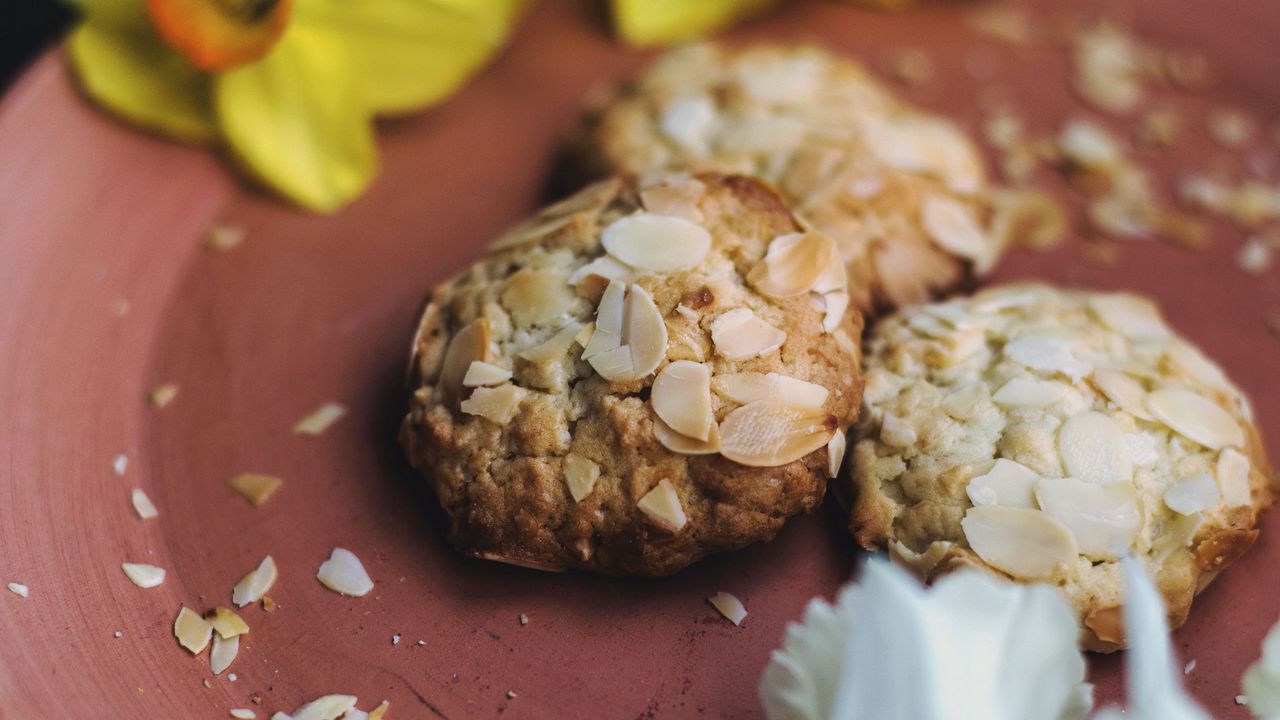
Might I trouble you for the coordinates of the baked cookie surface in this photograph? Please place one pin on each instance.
(638, 376)
(904, 193)
(1043, 434)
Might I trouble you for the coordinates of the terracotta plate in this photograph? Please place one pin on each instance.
(310, 309)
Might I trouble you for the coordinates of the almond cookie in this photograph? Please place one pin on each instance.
(638, 376)
(904, 193)
(1042, 434)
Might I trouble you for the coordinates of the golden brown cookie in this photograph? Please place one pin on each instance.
(903, 192)
(1042, 434)
(638, 376)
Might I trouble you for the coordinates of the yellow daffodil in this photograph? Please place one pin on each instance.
(649, 23)
(291, 87)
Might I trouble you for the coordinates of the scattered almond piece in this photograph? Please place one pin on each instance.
(193, 632)
(1007, 23)
(328, 707)
(162, 395)
(226, 622)
(344, 574)
(143, 575)
(255, 488)
(378, 712)
(1254, 257)
(320, 419)
(255, 584)
(497, 404)
(119, 464)
(223, 237)
(729, 606)
(835, 453)
(662, 506)
(224, 653)
(19, 589)
(243, 714)
(268, 604)
(143, 505)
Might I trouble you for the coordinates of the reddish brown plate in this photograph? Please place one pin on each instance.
(312, 309)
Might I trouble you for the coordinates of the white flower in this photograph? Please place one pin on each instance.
(969, 647)
(1262, 679)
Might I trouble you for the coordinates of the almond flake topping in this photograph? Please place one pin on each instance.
(1007, 483)
(1104, 520)
(606, 267)
(143, 505)
(471, 343)
(662, 506)
(1232, 472)
(580, 474)
(344, 574)
(193, 632)
(549, 350)
(226, 622)
(1028, 392)
(630, 338)
(143, 575)
(1027, 544)
(677, 197)
(768, 434)
(255, 488)
(835, 453)
(836, 305)
(746, 387)
(1195, 417)
(224, 653)
(1047, 355)
(739, 334)
(951, 224)
(793, 265)
(657, 243)
(483, 374)
(1129, 315)
(1094, 450)
(320, 419)
(537, 296)
(681, 396)
(683, 444)
(1192, 495)
(497, 405)
(1124, 391)
(254, 585)
(729, 606)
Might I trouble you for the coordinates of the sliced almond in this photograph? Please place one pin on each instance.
(614, 365)
(1195, 417)
(677, 197)
(835, 278)
(143, 505)
(662, 506)
(192, 631)
(143, 575)
(793, 265)
(685, 445)
(497, 405)
(254, 585)
(226, 622)
(254, 487)
(162, 395)
(328, 707)
(1007, 483)
(964, 401)
(611, 313)
(951, 224)
(224, 653)
(739, 334)
(765, 433)
(1094, 450)
(657, 243)
(244, 714)
(1029, 392)
(835, 453)
(378, 712)
(320, 419)
(1027, 544)
(646, 333)
(1051, 355)
(471, 343)
(1124, 391)
(605, 267)
(1134, 317)
(580, 474)
(681, 396)
(19, 589)
(729, 606)
(549, 350)
(1192, 495)
(630, 338)
(1104, 520)
(537, 296)
(1232, 472)
(927, 145)
(837, 303)
(747, 387)
(483, 374)
(584, 335)
(344, 574)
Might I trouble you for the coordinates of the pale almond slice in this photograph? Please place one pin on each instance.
(162, 395)
(964, 401)
(837, 305)
(646, 333)
(551, 349)
(1047, 355)
(584, 335)
(497, 405)
(605, 266)
(611, 313)
(765, 433)
(657, 243)
(662, 506)
(320, 419)
(739, 334)
(381, 710)
(328, 707)
(1190, 360)
(1029, 392)
(192, 631)
(1142, 449)
(793, 265)
(1192, 495)
(536, 296)
(747, 387)
(143, 505)
(952, 226)
(835, 278)
(256, 583)
(344, 574)
(685, 445)
(1124, 391)
(729, 606)
(1027, 544)
(1134, 317)
(677, 197)
(1232, 470)
(930, 146)
(835, 453)
(224, 653)
(226, 622)
(1195, 417)
(255, 487)
(1007, 483)
(614, 365)
(471, 343)
(143, 575)
(681, 396)
(580, 474)
(119, 464)
(243, 714)
(1104, 520)
(483, 374)
(1093, 449)
(19, 589)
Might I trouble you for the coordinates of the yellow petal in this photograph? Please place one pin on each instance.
(295, 120)
(410, 53)
(663, 22)
(124, 66)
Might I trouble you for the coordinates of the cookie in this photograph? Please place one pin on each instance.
(1042, 434)
(904, 193)
(637, 377)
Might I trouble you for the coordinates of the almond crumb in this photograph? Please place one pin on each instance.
(143, 505)
(162, 395)
(729, 606)
(524, 619)
(320, 419)
(255, 488)
(119, 464)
